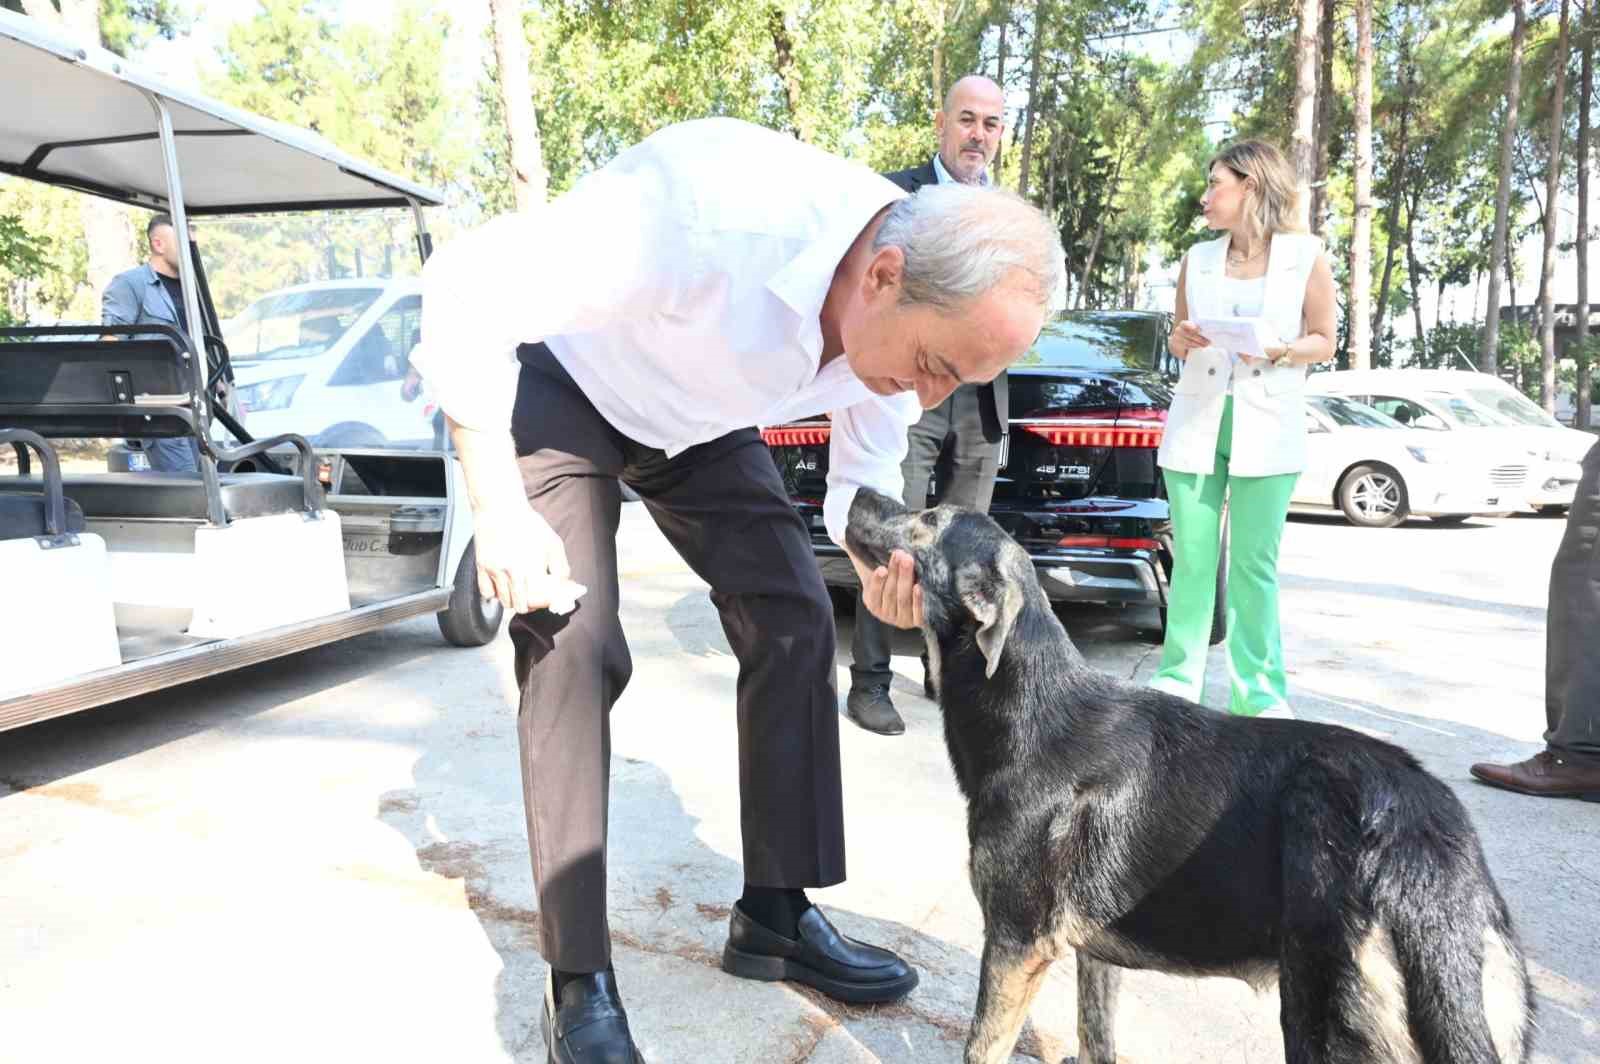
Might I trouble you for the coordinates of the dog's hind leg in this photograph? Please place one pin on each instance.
(1098, 984)
(1009, 980)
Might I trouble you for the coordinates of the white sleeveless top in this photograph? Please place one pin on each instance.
(1268, 402)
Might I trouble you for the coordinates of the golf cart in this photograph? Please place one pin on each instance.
(115, 584)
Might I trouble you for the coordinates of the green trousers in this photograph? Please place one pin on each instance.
(1257, 507)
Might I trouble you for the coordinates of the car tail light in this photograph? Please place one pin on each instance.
(1134, 427)
(1120, 542)
(796, 435)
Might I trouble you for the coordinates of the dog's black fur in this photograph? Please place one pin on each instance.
(1143, 831)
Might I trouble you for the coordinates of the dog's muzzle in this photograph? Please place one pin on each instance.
(867, 532)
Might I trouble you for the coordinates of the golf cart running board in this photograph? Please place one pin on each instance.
(208, 659)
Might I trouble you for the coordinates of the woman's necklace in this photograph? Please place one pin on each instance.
(1238, 258)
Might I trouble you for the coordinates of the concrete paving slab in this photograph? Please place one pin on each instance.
(325, 858)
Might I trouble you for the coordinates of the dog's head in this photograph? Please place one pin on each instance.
(974, 577)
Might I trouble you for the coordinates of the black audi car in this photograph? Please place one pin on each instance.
(1078, 485)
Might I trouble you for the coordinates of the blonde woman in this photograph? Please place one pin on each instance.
(1236, 430)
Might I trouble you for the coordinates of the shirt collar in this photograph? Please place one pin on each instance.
(944, 175)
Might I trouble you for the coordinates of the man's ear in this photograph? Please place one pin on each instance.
(884, 272)
(994, 600)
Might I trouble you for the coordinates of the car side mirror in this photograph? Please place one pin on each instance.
(1313, 425)
(1429, 421)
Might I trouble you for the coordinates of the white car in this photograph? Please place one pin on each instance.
(330, 361)
(1449, 401)
(1379, 472)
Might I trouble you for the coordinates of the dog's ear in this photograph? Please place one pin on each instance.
(994, 600)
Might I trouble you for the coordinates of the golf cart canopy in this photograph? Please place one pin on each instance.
(90, 120)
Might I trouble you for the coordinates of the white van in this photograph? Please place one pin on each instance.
(1446, 400)
(330, 361)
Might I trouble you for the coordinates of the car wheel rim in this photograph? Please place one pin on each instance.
(1376, 496)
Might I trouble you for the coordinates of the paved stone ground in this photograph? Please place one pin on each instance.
(324, 859)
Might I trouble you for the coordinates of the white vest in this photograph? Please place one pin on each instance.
(1269, 434)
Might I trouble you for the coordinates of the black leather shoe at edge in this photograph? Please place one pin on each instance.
(840, 967)
(590, 1026)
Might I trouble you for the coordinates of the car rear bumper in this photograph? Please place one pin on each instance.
(1124, 575)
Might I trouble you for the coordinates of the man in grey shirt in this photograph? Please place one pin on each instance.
(150, 294)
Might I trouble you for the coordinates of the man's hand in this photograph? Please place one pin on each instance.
(521, 561)
(890, 592)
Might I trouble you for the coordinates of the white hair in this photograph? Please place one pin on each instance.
(960, 241)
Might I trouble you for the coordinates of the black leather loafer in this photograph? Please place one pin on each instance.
(589, 1027)
(840, 967)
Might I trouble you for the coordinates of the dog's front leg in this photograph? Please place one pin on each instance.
(1098, 983)
(1010, 978)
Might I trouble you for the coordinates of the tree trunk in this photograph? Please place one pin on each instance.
(1360, 309)
(1547, 316)
(1488, 353)
(1000, 80)
(1305, 105)
(1584, 384)
(528, 178)
(1033, 98)
(1100, 226)
(1324, 121)
(1419, 349)
(1397, 183)
(783, 61)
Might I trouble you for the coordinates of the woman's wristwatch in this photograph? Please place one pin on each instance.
(1285, 360)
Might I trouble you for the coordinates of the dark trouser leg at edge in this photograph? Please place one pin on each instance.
(1569, 766)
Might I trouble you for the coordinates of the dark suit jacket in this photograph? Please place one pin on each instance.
(993, 399)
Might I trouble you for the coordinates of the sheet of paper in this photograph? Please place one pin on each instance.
(1238, 336)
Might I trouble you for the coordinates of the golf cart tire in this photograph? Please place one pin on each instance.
(470, 620)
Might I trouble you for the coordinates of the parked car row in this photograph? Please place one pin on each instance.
(1079, 487)
(1537, 456)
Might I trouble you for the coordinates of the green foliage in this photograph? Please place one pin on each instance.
(23, 257)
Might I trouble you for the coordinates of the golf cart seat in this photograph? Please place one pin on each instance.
(57, 580)
(178, 496)
(209, 554)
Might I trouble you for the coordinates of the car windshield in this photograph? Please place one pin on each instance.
(1351, 414)
(295, 324)
(1465, 412)
(1101, 341)
(1513, 407)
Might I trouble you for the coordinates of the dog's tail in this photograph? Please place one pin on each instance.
(1468, 995)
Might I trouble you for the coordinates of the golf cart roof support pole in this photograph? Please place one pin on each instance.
(191, 309)
(424, 238)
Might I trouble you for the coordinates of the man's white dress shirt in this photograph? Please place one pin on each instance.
(681, 286)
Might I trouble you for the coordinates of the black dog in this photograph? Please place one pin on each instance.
(1143, 831)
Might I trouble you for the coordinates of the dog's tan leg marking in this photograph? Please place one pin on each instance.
(933, 659)
(1383, 1011)
(1504, 1004)
(1006, 987)
(1098, 984)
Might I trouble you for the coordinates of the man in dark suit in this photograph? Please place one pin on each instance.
(966, 429)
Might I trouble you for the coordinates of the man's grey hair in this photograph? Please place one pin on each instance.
(960, 241)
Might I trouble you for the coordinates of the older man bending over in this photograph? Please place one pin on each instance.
(715, 277)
